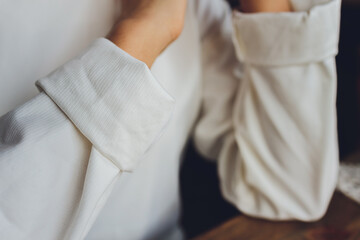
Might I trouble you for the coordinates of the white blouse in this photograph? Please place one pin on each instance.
(96, 153)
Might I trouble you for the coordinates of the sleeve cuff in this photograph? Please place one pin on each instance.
(113, 99)
(309, 34)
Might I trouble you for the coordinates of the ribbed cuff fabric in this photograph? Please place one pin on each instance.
(113, 99)
(276, 39)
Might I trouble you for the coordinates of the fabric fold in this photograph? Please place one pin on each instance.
(113, 99)
(276, 39)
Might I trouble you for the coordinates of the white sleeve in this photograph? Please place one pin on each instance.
(271, 120)
(61, 152)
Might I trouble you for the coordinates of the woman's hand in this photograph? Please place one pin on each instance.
(252, 6)
(147, 27)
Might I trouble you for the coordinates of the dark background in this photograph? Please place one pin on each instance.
(203, 206)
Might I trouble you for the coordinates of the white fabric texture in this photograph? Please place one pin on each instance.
(349, 180)
(349, 177)
(96, 154)
(87, 90)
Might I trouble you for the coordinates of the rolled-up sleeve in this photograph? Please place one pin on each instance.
(61, 152)
(287, 38)
(104, 92)
(276, 139)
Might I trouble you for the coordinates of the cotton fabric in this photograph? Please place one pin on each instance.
(96, 154)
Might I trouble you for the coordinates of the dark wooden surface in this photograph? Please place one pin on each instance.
(341, 222)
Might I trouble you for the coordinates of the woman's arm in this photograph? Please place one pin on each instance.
(269, 117)
(61, 152)
(147, 27)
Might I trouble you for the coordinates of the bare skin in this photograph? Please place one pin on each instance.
(147, 27)
(253, 6)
